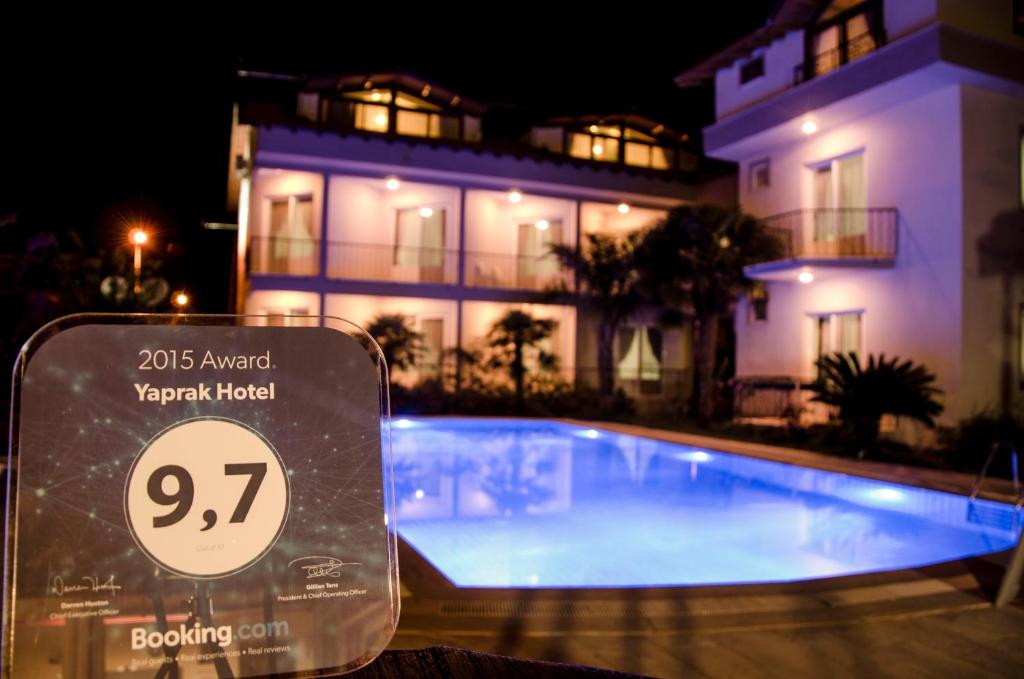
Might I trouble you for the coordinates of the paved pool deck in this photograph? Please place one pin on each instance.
(936, 621)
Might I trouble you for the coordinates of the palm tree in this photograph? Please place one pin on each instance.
(606, 271)
(694, 259)
(399, 343)
(511, 337)
(882, 387)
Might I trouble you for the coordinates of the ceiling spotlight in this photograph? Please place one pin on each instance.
(375, 96)
(514, 196)
(623, 208)
(426, 212)
(392, 183)
(542, 224)
(805, 277)
(809, 127)
(598, 149)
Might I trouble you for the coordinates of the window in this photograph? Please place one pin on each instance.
(639, 356)
(292, 246)
(419, 242)
(281, 318)
(600, 142)
(838, 333)
(547, 138)
(760, 175)
(751, 69)
(429, 360)
(838, 200)
(536, 264)
(845, 31)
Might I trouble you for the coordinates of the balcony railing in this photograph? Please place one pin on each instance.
(520, 272)
(406, 264)
(396, 263)
(777, 397)
(284, 256)
(831, 59)
(833, 233)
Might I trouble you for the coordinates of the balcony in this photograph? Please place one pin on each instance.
(830, 238)
(392, 263)
(406, 264)
(284, 256)
(517, 272)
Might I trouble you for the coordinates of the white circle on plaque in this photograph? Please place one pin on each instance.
(206, 497)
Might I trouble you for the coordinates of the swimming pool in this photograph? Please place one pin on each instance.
(533, 503)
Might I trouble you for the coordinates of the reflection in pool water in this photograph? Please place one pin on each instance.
(529, 503)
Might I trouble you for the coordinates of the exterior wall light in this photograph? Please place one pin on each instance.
(514, 196)
(805, 277)
(426, 212)
(542, 224)
(392, 183)
(623, 208)
(809, 127)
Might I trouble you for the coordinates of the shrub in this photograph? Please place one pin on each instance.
(882, 387)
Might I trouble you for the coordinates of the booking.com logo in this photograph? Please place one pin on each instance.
(197, 634)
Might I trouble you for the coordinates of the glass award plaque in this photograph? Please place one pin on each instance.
(198, 496)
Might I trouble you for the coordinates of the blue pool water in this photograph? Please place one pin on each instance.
(529, 503)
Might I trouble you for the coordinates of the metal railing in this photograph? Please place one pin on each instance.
(770, 396)
(284, 256)
(398, 263)
(996, 447)
(831, 59)
(520, 272)
(406, 264)
(870, 233)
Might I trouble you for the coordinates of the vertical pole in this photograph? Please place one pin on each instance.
(138, 268)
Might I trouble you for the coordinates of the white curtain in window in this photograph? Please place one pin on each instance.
(640, 362)
(850, 189)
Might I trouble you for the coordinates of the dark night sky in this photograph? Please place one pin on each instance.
(93, 139)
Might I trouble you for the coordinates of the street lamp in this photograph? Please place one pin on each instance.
(180, 300)
(138, 237)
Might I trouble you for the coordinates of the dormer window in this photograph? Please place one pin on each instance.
(596, 142)
(843, 31)
(625, 140)
(393, 104)
(751, 69)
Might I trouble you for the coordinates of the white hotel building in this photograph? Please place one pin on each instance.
(383, 193)
(882, 140)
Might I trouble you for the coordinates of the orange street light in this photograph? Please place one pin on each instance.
(180, 300)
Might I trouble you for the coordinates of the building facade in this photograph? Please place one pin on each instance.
(372, 194)
(881, 141)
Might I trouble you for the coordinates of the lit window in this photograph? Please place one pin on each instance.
(593, 146)
(292, 246)
(371, 117)
(419, 242)
(838, 333)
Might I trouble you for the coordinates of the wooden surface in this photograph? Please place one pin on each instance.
(456, 663)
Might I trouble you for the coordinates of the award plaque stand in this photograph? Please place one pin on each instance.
(161, 463)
